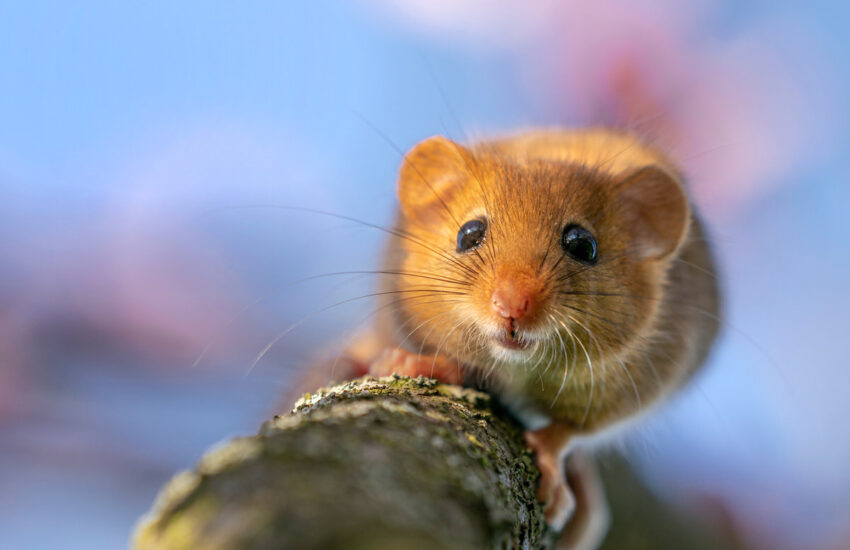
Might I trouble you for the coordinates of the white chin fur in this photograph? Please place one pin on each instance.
(507, 355)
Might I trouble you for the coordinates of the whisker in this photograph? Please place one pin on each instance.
(407, 300)
(394, 232)
(298, 323)
(404, 156)
(566, 365)
(590, 367)
(420, 325)
(442, 342)
(594, 315)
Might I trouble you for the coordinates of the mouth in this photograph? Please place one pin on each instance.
(509, 340)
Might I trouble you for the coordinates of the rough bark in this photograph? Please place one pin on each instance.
(391, 463)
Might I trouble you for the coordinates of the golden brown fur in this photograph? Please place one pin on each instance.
(612, 338)
(574, 346)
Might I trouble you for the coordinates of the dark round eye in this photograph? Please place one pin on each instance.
(579, 244)
(471, 235)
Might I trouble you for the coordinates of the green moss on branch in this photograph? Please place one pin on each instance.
(390, 463)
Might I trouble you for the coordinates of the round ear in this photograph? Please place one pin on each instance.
(431, 173)
(656, 210)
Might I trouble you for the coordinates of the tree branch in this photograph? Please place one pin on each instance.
(391, 463)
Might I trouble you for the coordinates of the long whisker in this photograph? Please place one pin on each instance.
(238, 315)
(619, 360)
(407, 300)
(590, 367)
(462, 346)
(420, 325)
(442, 342)
(395, 232)
(594, 315)
(696, 309)
(404, 155)
(566, 364)
(425, 339)
(298, 323)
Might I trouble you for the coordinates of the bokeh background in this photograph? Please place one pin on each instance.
(145, 262)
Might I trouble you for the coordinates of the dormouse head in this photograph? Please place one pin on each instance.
(513, 256)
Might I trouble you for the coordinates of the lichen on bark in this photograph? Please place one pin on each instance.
(373, 463)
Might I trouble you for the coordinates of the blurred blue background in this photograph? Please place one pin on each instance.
(144, 149)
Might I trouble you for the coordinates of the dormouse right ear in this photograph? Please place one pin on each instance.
(656, 209)
(432, 172)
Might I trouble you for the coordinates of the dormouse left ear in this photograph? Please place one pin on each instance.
(430, 176)
(656, 210)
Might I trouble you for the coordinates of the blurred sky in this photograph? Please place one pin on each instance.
(143, 148)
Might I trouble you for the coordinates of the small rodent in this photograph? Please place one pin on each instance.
(565, 271)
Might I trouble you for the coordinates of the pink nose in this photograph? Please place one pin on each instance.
(511, 302)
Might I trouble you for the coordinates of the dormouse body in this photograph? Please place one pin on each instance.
(565, 270)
